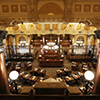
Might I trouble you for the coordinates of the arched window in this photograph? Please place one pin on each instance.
(22, 39)
(80, 39)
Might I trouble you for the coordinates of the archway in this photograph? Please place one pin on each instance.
(80, 44)
(22, 40)
(22, 45)
(80, 40)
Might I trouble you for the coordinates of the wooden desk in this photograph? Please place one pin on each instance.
(29, 66)
(51, 63)
(26, 89)
(60, 79)
(26, 76)
(40, 79)
(51, 88)
(33, 79)
(74, 91)
(70, 80)
(60, 73)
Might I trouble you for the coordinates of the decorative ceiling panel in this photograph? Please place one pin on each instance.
(15, 27)
(77, 8)
(23, 27)
(71, 28)
(54, 26)
(47, 26)
(96, 8)
(87, 8)
(14, 8)
(5, 8)
(63, 26)
(86, 27)
(23, 8)
(78, 27)
(38, 26)
(49, 11)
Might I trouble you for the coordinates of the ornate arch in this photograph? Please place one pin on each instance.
(18, 37)
(83, 36)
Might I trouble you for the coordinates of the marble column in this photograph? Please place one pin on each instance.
(87, 46)
(8, 46)
(5, 48)
(59, 42)
(14, 43)
(94, 45)
(28, 39)
(4, 88)
(29, 43)
(58, 39)
(43, 40)
(96, 48)
(73, 44)
(96, 89)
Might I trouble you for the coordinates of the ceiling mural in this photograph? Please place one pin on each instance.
(71, 28)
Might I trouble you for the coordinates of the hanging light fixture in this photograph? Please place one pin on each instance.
(51, 45)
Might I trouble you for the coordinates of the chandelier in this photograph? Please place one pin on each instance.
(51, 45)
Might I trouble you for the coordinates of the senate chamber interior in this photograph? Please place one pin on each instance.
(49, 49)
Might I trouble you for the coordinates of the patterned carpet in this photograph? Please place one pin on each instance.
(51, 71)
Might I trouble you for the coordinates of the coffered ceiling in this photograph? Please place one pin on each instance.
(13, 12)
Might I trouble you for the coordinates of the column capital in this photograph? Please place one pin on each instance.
(13, 35)
(28, 35)
(73, 35)
(88, 35)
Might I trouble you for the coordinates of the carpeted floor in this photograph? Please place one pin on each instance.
(51, 71)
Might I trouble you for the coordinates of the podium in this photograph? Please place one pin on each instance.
(50, 87)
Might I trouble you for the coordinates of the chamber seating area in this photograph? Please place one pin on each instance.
(80, 57)
(22, 57)
(74, 76)
(30, 79)
(63, 72)
(25, 79)
(72, 73)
